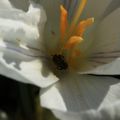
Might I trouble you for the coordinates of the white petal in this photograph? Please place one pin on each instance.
(5, 4)
(96, 8)
(23, 27)
(111, 112)
(112, 68)
(99, 10)
(20, 46)
(105, 48)
(52, 9)
(25, 68)
(111, 7)
(76, 93)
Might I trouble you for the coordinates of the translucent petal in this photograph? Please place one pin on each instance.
(5, 4)
(96, 8)
(105, 48)
(112, 6)
(52, 28)
(76, 93)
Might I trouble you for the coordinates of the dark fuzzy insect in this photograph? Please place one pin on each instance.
(60, 62)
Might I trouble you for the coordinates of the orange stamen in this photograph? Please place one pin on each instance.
(63, 21)
(71, 35)
(72, 59)
(76, 53)
(83, 25)
(74, 40)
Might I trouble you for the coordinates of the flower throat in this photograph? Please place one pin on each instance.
(71, 35)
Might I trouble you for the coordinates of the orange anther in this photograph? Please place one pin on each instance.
(83, 25)
(63, 21)
(74, 40)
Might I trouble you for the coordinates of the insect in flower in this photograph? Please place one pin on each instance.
(60, 62)
(65, 55)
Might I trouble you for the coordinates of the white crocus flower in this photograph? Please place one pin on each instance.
(67, 89)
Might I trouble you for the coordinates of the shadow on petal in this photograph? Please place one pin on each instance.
(20, 4)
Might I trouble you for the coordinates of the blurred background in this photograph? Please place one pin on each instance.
(20, 101)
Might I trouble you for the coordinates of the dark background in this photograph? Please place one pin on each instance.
(20, 101)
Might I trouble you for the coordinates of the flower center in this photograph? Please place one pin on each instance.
(71, 35)
(60, 62)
